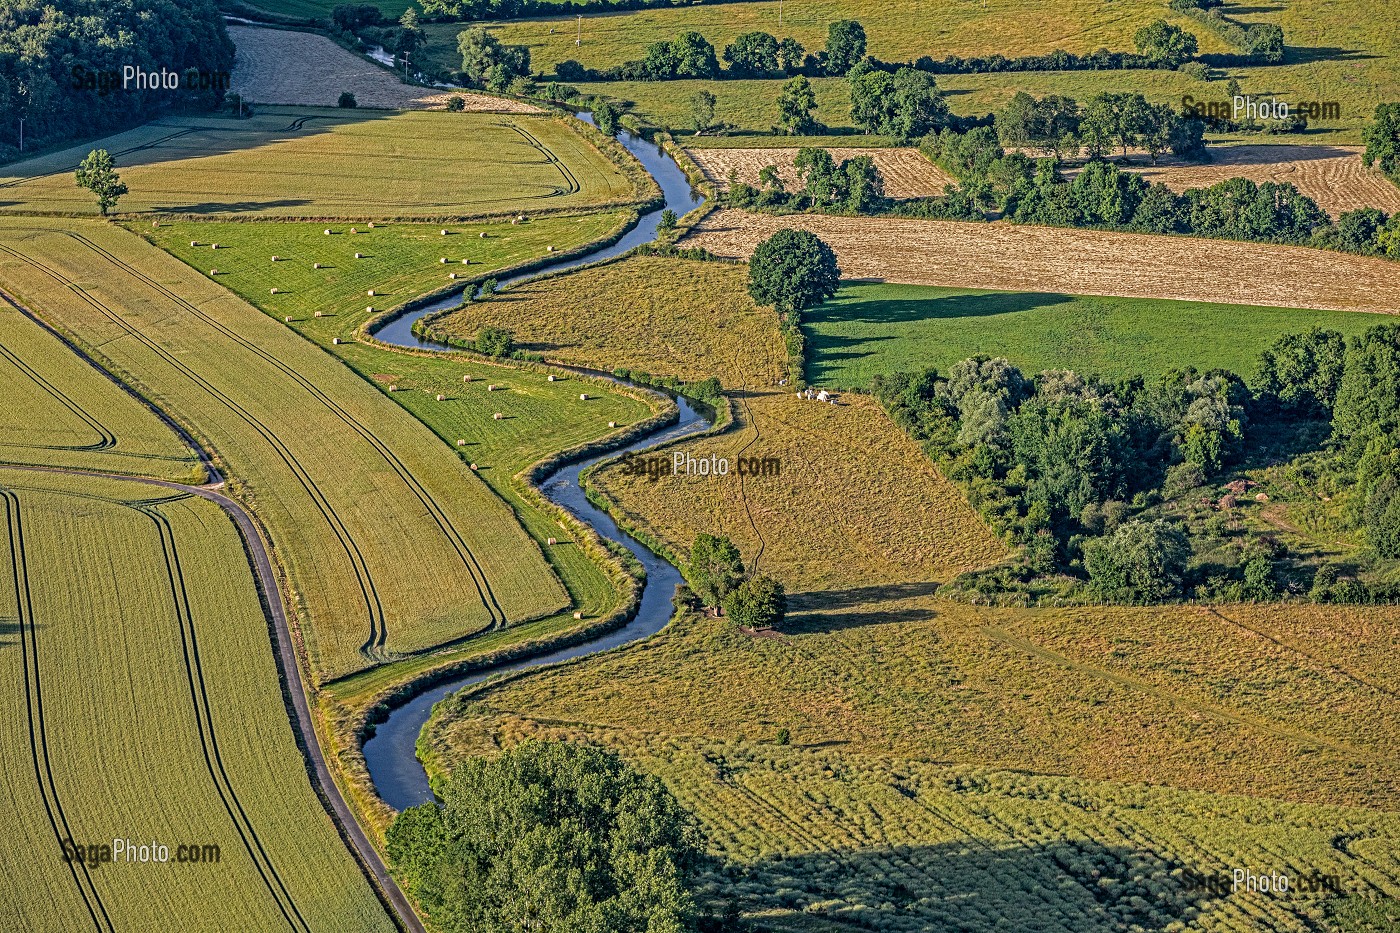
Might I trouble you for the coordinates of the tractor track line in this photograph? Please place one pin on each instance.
(204, 719)
(108, 439)
(260, 561)
(454, 538)
(360, 568)
(34, 704)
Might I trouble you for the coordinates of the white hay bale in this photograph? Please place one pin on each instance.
(194, 242)
(371, 293)
(466, 262)
(467, 378)
(551, 378)
(213, 245)
(213, 271)
(369, 309)
(451, 275)
(155, 223)
(315, 265)
(318, 313)
(288, 319)
(274, 290)
(328, 231)
(353, 230)
(461, 442)
(443, 260)
(473, 467)
(521, 218)
(583, 396)
(443, 232)
(335, 340)
(276, 258)
(393, 388)
(553, 541)
(371, 225)
(497, 416)
(358, 256)
(578, 615)
(549, 249)
(441, 397)
(491, 387)
(482, 234)
(612, 424)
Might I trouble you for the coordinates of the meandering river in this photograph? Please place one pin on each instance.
(394, 768)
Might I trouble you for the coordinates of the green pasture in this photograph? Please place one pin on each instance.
(870, 329)
(317, 162)
(144, 705)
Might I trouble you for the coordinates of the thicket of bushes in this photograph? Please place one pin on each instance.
(1072, 469)
(1259, 43)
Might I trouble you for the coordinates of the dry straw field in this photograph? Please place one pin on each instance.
(279, 66)
(1333, 176)
(885, 512)
(298, 162)
(392, 545)
(907, 173)
(143, 704)
(1085, 262)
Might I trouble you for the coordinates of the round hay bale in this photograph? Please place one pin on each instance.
(549, 249)
(578, 615)
(473, 467)
(318, 313)
(328, 231)
(274, 290)
(461, 442)
(335, 340)
(612, 424)
(393, 388)
(288, 319)
(443, 260)
(553, 541)
(276, 258)
(315, 265)
(482, 234)
(213, 245)
(451, 275)
(369, 309)
(213, 271)
(358, 256)
(371, 293)
(491, 387)
(497, 416)
(194, 242)
(155, 223)
(371, 225)
(551, 378)
(583, 396)
(353, 230)
(443, 232)
(467, 378)
(466, 262)
(441, 397)
(521, 218)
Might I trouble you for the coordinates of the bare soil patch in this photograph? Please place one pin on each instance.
(279, 66)
(1081, 262)
(1333, 176)
(907, 172)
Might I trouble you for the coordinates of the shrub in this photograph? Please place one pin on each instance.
(346, 100)
(1140, 562)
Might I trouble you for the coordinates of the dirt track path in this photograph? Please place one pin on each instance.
(1008, 257)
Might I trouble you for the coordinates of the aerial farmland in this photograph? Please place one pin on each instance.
(480, 465)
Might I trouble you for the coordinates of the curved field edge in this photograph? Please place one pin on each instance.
(203, 698)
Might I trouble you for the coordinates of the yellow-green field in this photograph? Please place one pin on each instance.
(956, 768)
(309, 162)
(144, 705)
(391, 543)
(60, 411)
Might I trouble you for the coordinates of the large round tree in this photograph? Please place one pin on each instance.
(549, 837)
(793, 270)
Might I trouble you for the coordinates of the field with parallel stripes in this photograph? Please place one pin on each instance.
(61, 411)
(392, 545)
(145, 706)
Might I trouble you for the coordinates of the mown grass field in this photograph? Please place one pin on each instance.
(887, 509)
(144, 704)
(60, 411)
(869, 329)
(984, 770)
(310, 162)
(391, 543)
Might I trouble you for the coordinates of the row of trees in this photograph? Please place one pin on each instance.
(853, 186)
(717, 577)
(1058, 126)
(61, 63)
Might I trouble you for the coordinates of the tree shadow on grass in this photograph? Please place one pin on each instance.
(859, 596)
(8, 627)
(1078, 886)
(228, 207)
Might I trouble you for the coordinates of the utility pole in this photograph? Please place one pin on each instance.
(579, 40)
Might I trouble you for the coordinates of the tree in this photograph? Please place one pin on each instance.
(1160, 130)
(1165, 45)
(1120, 118)
(550, 837)
(752, 54)
(758, 602)
(702, 111)
(845, 45)
(1368, 397)
(795, 106)
(694, 56)
(608, 116)
(793, 270)
(1140, 562)
(667, 223)
(410, 37)
(1046, 124)
(346, 101)
(906, 104)
(864, 189)
(715, 568)
(821, 178)
(1382, 138)
(790, 55)
(486, 61)
(1302, 372)
(494, 341)
(97, 173)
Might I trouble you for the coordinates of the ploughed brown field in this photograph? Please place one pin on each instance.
(1081, 262)
(907, 172)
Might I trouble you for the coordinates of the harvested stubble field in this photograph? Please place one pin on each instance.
(870, 329)
(1084, 262)
(971, 769)
(907, 172)
(886, 511)
(391, 544)
(60, 411)
(297, 162)
(132, 615)
(1333, 176)
(280, 66)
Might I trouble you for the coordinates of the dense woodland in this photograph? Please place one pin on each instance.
(58, 56)
(1132, 490)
